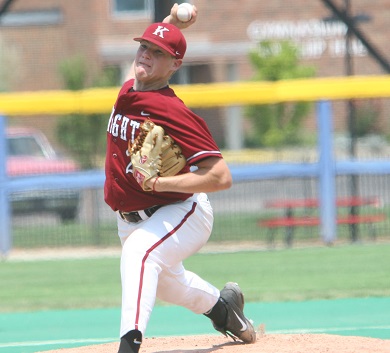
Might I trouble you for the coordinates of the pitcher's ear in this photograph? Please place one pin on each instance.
(177, 64)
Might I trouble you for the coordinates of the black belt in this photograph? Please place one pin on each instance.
(134, 217)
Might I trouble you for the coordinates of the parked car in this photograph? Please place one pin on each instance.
(31, 154)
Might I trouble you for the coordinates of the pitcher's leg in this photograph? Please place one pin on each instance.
(185, 288)
(155, 244)
(139, 276)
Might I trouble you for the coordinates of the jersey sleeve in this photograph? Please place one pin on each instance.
(189, 130)
(195, 139)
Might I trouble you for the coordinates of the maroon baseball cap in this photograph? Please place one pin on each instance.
(167, 37)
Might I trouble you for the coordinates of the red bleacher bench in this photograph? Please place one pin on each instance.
(315, 221)
(290, 221)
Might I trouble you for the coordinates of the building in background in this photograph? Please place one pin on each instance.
(36, 35)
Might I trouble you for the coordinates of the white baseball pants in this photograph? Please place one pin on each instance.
(151, 262)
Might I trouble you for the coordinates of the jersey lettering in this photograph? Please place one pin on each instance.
(110, 120)
(129, 168)
(135, 125)
(125, 121)
(115, 125)
(118, 126)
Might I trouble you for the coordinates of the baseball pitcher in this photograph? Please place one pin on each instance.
(163, 212)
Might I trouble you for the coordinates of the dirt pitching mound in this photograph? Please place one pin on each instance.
(278, 343)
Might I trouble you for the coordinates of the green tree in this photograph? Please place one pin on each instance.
(274, 125)
(84, 136)
(367, 113)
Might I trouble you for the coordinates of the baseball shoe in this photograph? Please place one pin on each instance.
(130, 342)
(236, 325)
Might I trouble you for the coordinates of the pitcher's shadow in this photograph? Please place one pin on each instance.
(203, 350)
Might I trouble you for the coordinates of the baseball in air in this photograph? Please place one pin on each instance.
(184, 12)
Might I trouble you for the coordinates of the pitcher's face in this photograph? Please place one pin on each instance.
(153, 63)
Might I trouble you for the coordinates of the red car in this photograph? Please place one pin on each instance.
(30, 153)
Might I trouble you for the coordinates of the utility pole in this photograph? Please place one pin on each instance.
(350, 21)
(162, 8)
(5, 6)
(351, 108)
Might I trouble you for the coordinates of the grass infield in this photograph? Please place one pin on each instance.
(349, 271)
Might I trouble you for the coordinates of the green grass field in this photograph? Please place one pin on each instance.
(349, 271)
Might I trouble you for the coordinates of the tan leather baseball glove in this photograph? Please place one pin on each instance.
(153, 154)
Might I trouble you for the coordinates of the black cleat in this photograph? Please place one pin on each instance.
(236, 325)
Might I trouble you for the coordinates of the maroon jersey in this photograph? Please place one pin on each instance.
(164, 108)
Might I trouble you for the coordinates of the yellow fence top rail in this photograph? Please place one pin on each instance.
(101, 100)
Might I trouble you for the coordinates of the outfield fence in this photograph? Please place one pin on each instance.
(321, 171)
